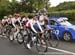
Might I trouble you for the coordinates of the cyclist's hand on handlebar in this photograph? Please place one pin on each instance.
(42, 31)
(21, 27)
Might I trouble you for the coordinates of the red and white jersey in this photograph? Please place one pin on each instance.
(31, 24)
(28, 23)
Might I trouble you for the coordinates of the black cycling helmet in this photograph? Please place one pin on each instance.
(30, 16)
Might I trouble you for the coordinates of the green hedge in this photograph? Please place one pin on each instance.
(69, 14)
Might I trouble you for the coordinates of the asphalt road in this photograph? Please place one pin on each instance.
(8, 48)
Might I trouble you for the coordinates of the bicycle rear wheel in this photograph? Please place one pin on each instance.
(40, 46)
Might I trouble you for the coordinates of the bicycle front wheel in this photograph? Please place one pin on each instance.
(41, 44)
(53, 40)
(20, 38)
(11, 37)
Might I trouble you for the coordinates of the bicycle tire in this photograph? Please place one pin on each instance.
(53, 39)
(11, 37)
(20, 38)
(40, 46)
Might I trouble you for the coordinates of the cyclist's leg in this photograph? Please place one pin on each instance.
(3, 29)
(17, 30)
(12, 28)
(43, 27)
(29, 35)
(47, 27)
(28, 39)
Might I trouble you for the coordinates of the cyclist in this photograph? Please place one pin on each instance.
(16, 21)
(24, 20)
(4, 20)
(4, 23)
(11, 21)
(34, 25)
(43, 19)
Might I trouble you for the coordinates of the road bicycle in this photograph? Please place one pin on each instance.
(11, 32)
(36, 40)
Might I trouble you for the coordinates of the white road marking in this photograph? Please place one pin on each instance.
(60, 50)
(64, 51)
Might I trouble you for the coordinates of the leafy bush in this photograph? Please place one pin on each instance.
(69, 14)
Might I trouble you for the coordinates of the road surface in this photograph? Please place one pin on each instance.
(8, 48)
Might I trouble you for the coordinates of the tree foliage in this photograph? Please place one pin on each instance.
(31, 5)
(64, 6)
(66, 9)
(27, 6)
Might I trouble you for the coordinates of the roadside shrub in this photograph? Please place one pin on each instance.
(70, 14)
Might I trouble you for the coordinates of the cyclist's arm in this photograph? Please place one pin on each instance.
(13, 23)
(39, 26)
(19, 22)
(2, 21)
(32, 27)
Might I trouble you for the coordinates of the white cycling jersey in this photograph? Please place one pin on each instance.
(13, 21)
(41, 19)
(4, 21)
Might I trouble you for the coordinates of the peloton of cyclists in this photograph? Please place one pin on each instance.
(35, 23)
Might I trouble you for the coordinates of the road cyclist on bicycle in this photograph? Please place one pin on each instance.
(35, 26)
